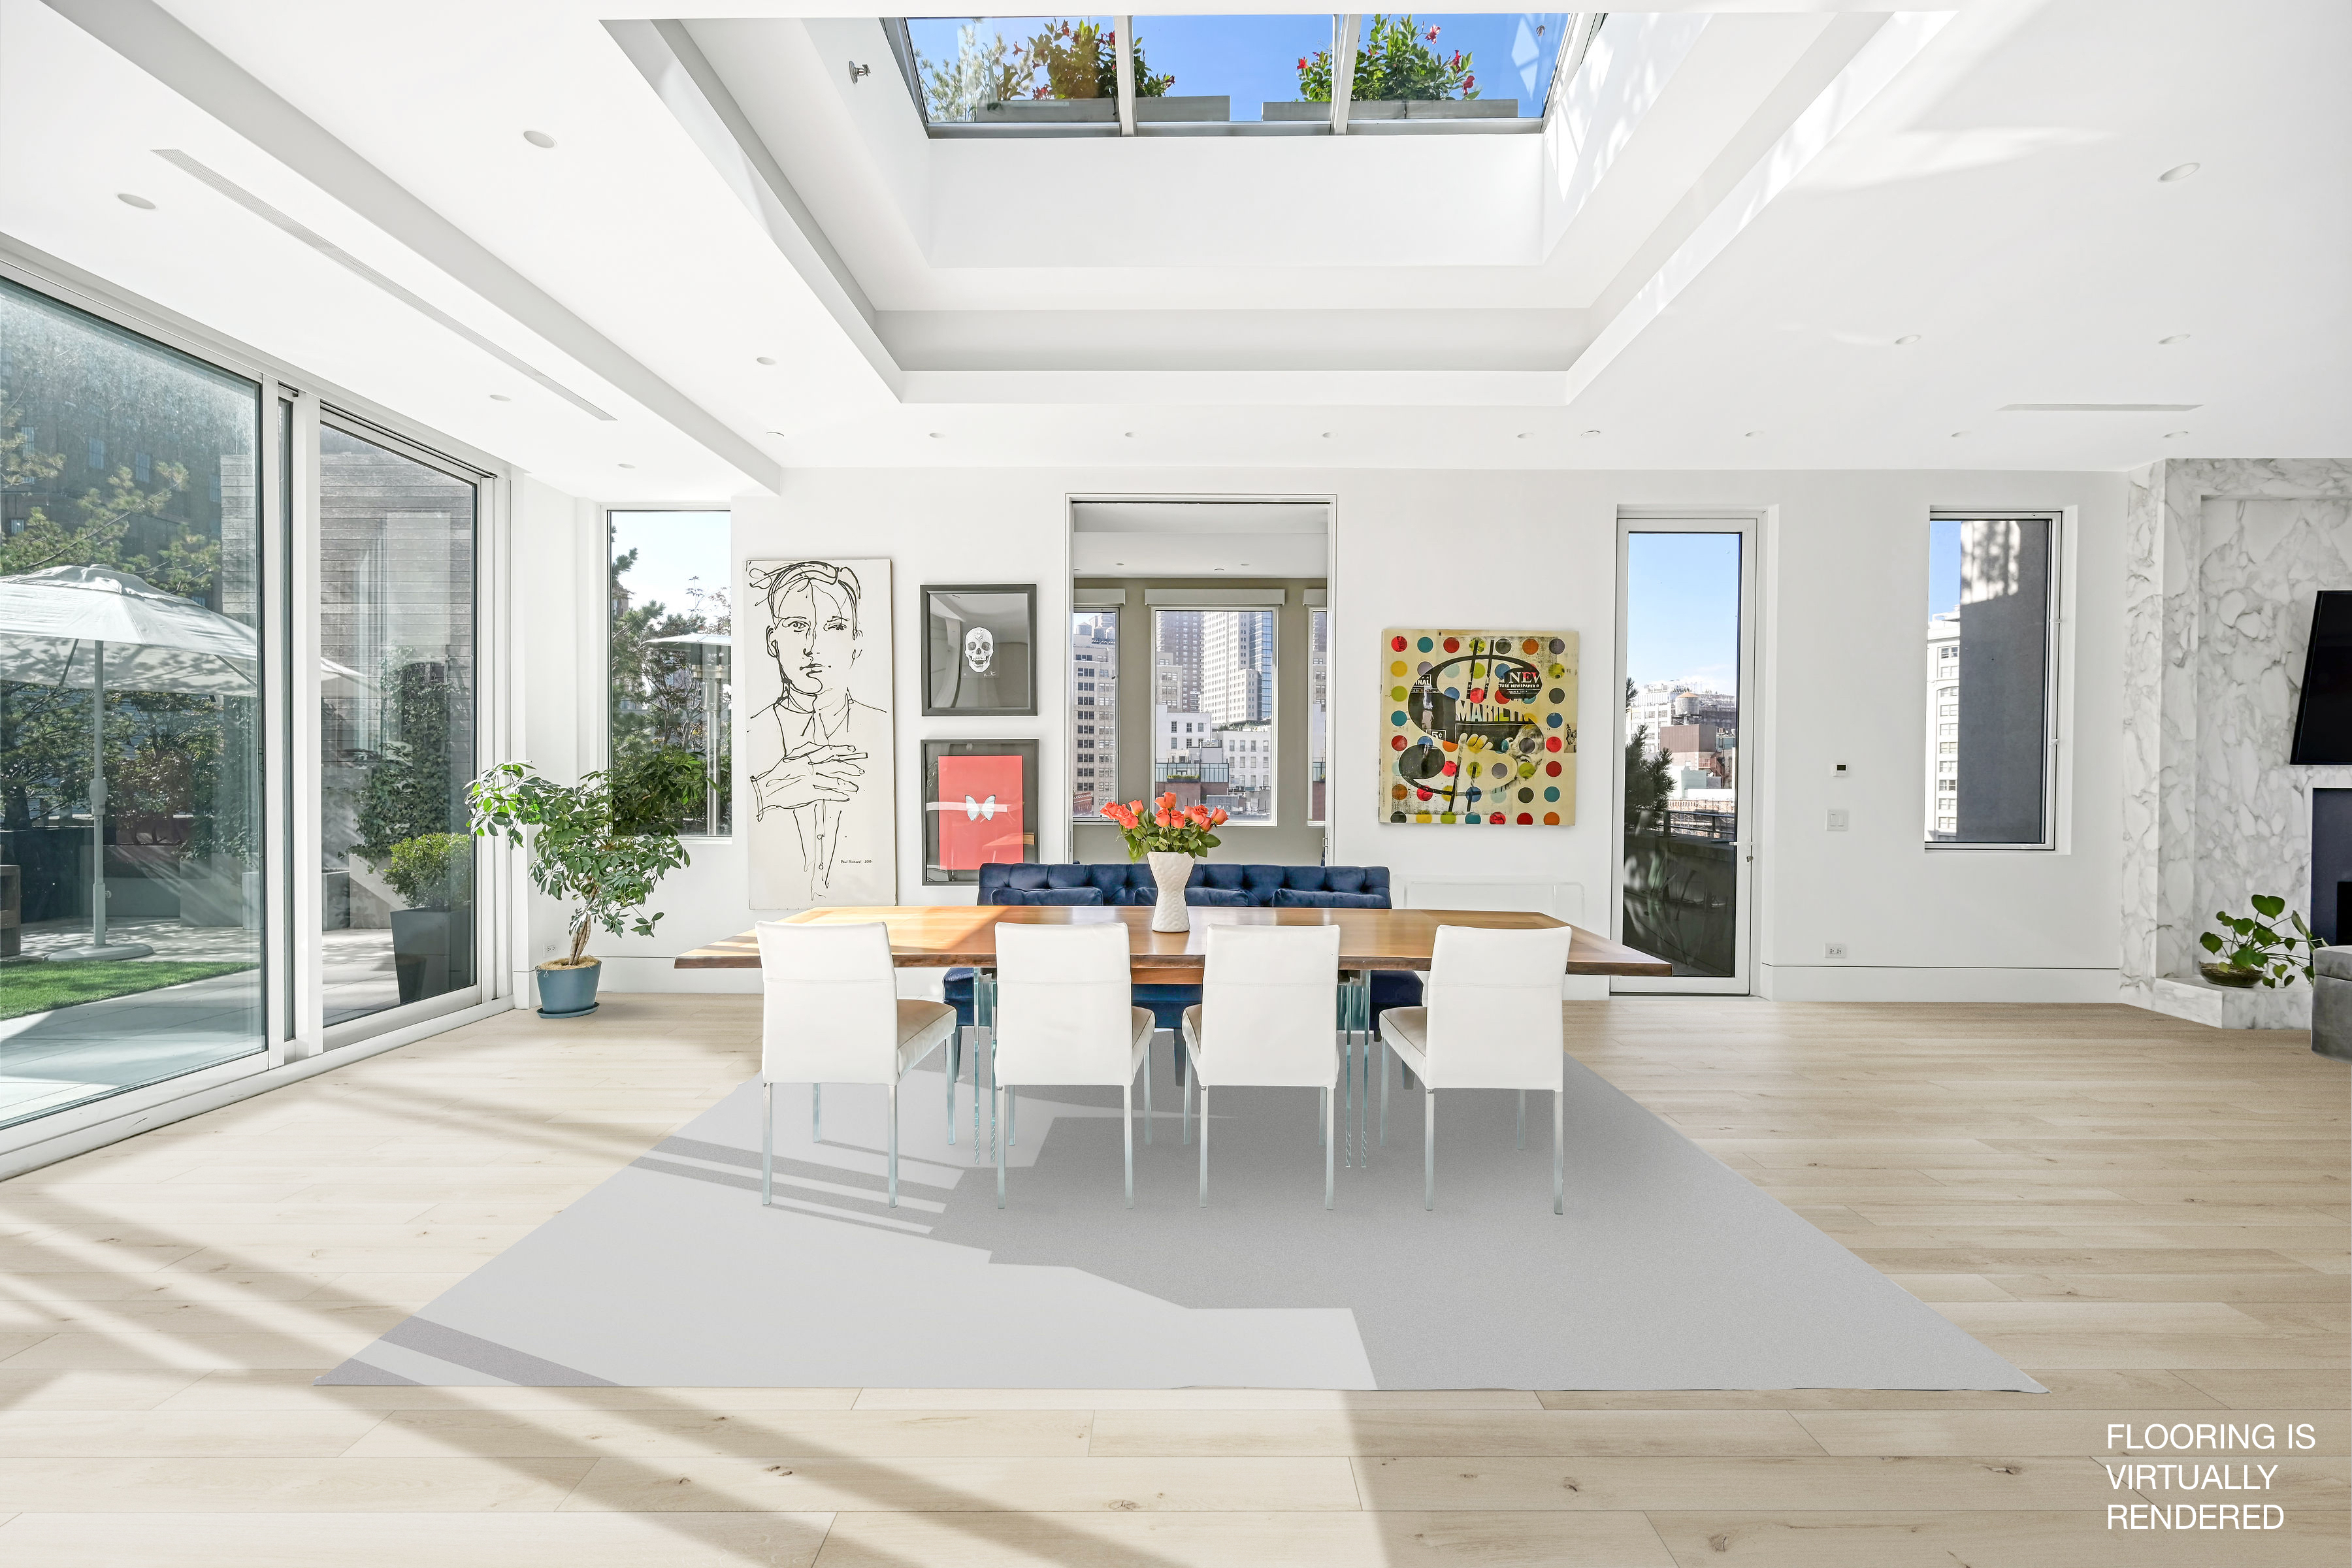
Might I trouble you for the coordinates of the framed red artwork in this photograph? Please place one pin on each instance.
(977, 807)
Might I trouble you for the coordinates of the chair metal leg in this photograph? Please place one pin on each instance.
(816, 1114)
(1523, 1121)
(767, 1145)
(999, 1095)
(1327, 1152)
(949, 1053)
(1127, 1123)
(1205, 1141)
(1147, 1096)
(1559, 1143)
(1429, 1149)
(1385, 1094)
(1012, 1115)
(894, 1145)
(1187, 1087)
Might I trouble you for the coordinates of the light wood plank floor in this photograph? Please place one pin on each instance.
(2148, 1216)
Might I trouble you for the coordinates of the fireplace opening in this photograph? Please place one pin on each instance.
(2331, 865)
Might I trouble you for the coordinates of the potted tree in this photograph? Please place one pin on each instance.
(579, 854)
(433, 875)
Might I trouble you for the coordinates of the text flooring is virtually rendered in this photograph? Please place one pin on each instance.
(2148, 1217)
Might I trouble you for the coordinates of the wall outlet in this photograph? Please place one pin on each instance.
(1839, 770)
(1838, 819)
(1833, 950)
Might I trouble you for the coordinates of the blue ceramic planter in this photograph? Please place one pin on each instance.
(568, 993)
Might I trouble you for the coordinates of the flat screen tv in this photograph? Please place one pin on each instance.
(2323, 724)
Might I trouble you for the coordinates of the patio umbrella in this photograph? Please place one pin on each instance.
(88, 628)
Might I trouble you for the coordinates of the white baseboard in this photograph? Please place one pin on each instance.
(652, 973)
(1858, 982)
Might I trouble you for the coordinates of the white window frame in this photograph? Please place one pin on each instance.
(2053, 628)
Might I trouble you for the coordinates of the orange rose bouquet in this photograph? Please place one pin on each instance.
(1160, 827)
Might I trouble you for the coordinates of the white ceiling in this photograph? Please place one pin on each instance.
(1707, 258)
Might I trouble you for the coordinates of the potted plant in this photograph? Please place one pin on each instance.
(433, 875)
(2257, 951)
(579, 855)
(1170, 839)
(1401, 74)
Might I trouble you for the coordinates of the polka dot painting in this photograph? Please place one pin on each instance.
(1474, 717)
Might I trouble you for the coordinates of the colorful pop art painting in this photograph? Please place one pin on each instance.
(1479, 728)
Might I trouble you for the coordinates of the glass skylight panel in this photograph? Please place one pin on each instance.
(1016, 70)
(1236, 69)
(1486, 66)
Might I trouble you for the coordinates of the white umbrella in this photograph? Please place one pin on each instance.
(87, 628)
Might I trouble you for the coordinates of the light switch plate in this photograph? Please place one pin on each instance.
(1833, 950)
(1838, 820)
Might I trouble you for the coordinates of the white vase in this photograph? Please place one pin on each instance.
(1172, 872)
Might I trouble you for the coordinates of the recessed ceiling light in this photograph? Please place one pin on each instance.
(1128, 435)
(2177, 172)
(1327, 435)
(2174, 435)
(764, 359)
(501, 397)
(539, 138)
(2175, 338)
(938, 434)
(1592, 432)
(628, 465)
(1958, 434)
(131, 200)
(1523, 436)
(1907, 340)
(779, 434)
(1751, 433)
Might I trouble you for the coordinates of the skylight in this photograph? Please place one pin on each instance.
(1235, 75)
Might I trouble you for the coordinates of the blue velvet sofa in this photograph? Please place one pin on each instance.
(1214, 884)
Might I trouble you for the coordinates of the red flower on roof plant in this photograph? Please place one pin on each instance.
(1394, 62)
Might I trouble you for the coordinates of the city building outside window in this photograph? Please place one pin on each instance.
(1213, 711)
(1319, 709)
(1990, 662)
(1094, 707)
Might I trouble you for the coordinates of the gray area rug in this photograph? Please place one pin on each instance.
(1669, 1269)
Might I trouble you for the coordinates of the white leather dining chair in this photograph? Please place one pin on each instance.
(1265, 1019)
(1492, 1019)
(1065, 1014)
(830, 1013)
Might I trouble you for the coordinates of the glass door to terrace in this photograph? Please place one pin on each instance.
(1686, 627)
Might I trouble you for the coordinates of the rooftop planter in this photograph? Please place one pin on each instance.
(1402, 108)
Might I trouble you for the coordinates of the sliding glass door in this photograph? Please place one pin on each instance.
(396, 723)
(1686, 632)
(241, 696)
(132, 853)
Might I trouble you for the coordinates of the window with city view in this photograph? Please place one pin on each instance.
(1319, 709)
(1987, 666)
(671, 641)
(1094, 712)
(1682, 747)
(1212, 715)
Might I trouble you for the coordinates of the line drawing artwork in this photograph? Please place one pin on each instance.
(818, 735)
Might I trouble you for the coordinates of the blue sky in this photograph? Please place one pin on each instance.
(1255, 60)
(1943, 565)
(1682, 608)
(672, 547)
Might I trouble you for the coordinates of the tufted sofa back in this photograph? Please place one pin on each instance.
(1132, 884)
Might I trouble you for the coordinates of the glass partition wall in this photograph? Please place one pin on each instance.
(239, 702)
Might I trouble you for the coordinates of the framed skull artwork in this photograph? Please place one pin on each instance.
(980, 649)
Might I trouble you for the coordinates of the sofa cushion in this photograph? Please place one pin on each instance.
(1078, 896)
(1029, 875)
(1211, 899)
(2335, 962)
(1293, 898)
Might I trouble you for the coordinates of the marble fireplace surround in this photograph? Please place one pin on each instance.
(2222, 557)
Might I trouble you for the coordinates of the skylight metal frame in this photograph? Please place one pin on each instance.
(1344, 31)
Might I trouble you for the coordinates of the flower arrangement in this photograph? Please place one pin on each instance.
(1397, 59)
(1157, 827)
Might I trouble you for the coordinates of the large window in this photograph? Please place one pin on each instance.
(1094, 712)
(671, 643)
(1213, 710)
(1989, 660)
(396, 726)
(1319, 709)
(133, 857)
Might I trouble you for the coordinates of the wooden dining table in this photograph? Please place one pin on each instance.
(945, 936)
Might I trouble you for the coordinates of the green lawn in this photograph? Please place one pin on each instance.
(39, 987)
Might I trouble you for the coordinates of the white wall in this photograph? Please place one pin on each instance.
(1843, 585)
